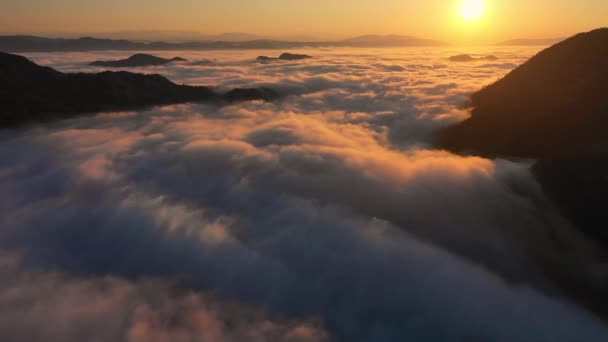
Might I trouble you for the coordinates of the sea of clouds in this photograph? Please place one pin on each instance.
(323, 216)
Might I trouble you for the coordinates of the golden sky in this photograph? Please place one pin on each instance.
(322, 19)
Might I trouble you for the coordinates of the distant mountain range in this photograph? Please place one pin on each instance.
(531, 42)
(178, 36)
(175, 36)
(41, 44)
(389, 40)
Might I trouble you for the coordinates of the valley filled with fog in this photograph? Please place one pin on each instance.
(324, 215)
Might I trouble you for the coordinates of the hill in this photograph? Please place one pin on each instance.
(552, 109)
(283, 57)
(21, 44)
(32, 93)
(138, 60)
(469, 58)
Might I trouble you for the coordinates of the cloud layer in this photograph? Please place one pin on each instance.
(327, 210)
(46, 306)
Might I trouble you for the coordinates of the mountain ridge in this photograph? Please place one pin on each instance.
(33, 93)
(552, 109)
(530, 42)
(138, 60)
(21, 44)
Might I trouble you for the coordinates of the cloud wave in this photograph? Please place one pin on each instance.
(328, 209)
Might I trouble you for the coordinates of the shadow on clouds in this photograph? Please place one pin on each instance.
(324, 215)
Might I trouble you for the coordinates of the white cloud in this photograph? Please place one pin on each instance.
(49, 306)
(328, 203)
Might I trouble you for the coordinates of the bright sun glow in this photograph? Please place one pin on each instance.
(472, 9)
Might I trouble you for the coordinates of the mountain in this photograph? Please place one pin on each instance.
(283, 57)
(231, 37)
(21, 44)
(388, 41)
(293, 56)
(32, 93)
(552, 109)
(138, 60)
(176, 36)
(469, 58)
(531, 42)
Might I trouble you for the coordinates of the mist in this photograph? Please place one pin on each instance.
(323, 216)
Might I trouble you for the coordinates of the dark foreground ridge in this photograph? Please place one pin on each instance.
(469, 58)
(138, 60)
(554, 109)
(32, 93)
(284, 57)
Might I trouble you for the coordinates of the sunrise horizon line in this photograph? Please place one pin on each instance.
(244, 36)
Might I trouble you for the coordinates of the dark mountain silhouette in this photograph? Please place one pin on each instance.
(553, 104)
(554, 109)
(264, 59)
(202, 62)
(293, 57)
(283, 57)
(469, 58)
(138, 60)
(32, 93)
(250, 94)
(20, 44)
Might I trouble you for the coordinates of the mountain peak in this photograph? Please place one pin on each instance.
(552, 109)
(138, 60)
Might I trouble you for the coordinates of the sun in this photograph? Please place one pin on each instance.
(472, 9)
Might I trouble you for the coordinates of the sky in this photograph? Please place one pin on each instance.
(320, 19)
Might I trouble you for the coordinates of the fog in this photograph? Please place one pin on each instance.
(323, 216)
